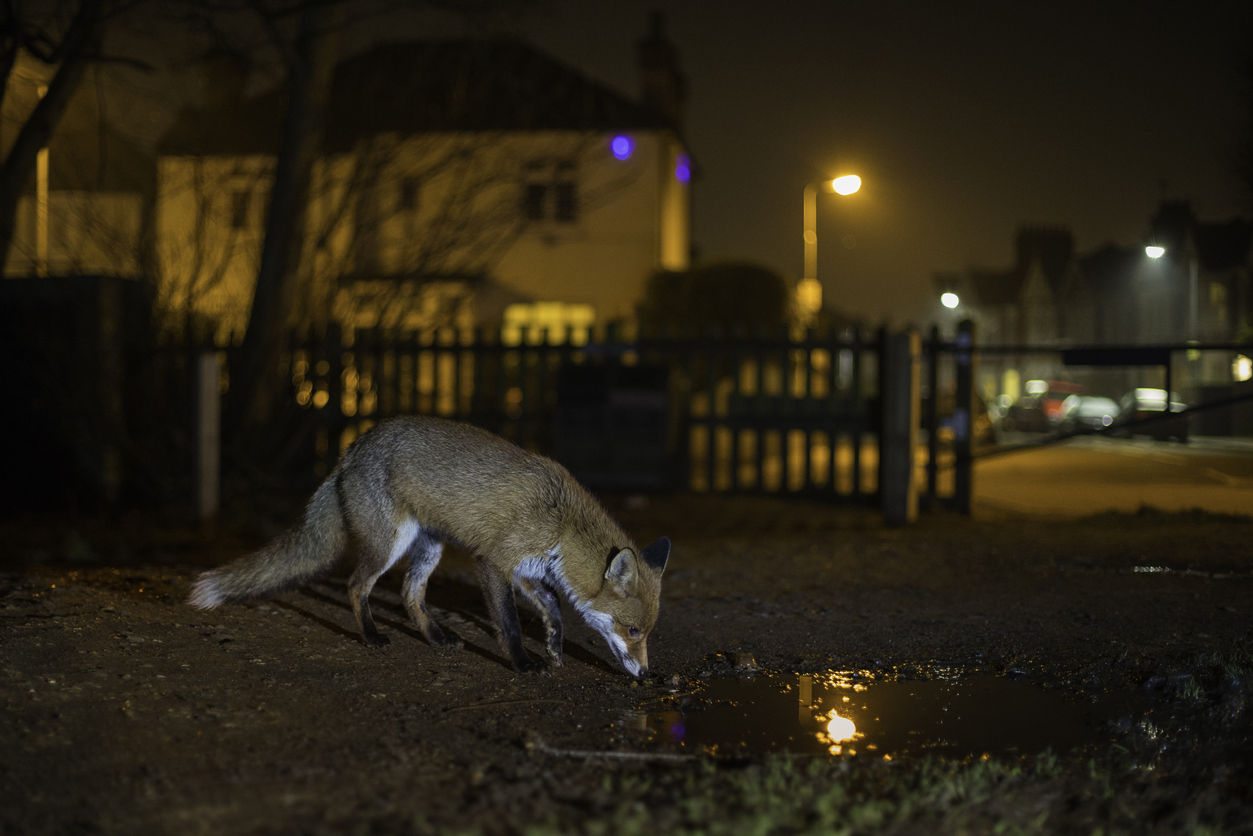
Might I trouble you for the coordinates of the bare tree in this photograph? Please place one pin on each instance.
(309, 61)
(65, 39)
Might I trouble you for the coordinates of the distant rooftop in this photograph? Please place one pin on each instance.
(422, 86)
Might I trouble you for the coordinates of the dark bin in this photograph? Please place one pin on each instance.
(611, 425)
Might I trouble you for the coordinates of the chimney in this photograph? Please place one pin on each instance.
(663, 87)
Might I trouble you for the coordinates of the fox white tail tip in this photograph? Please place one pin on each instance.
(205, 594)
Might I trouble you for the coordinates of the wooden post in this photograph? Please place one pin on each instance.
(208, 437)
(901, 408)
(963, 416)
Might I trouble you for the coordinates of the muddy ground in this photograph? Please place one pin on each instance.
(126, 711)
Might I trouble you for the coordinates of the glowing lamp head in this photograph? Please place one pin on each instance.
(949, 300)
(621, 146)
(683, 168)
(1153, 251)
(847, 184)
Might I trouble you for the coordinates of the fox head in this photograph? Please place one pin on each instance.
(625, 609)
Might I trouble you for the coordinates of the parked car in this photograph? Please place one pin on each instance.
(1026, 415)
(1053, 397)
(1088, 412)
(1144, 403)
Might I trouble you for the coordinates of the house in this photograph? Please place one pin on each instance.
(460, 183)
(1198, 289)
(1042, 299)
(87, 210)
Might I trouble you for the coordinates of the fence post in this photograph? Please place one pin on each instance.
(963, 416)
(208, 436)
(931, 421)
(901, 409)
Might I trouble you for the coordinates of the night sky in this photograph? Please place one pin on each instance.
(964, 120)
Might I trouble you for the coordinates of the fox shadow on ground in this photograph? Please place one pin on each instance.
(456, 602)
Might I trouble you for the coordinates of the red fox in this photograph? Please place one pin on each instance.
(411, 483)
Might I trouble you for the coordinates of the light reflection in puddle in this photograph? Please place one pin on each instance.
(844, 713)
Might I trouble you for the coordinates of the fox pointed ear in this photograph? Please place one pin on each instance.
(622, 572)
(657, 554)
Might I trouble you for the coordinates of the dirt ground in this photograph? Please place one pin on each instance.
(127, 711)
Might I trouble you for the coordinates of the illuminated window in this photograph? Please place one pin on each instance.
(241, 199)
(1242, 368)
(536, 322)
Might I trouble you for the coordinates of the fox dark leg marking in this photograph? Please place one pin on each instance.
(544, 597)
(359, 586)
(499, 594)
(424, 555)
(376, 556)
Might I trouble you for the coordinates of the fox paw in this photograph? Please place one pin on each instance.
(531, 666)
(376, 640)
(446, 641)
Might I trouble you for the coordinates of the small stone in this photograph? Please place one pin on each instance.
(674, 680)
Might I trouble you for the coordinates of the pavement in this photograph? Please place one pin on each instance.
(1088, 475)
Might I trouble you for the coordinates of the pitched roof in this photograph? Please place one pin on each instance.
(1053, 248)
(419, 86)
(1219, 246)
(1224, 246)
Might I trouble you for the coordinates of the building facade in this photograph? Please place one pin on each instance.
(1198, 289)
(460, 183)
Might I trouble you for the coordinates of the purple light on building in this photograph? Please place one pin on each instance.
(682, 168)
(621, 146)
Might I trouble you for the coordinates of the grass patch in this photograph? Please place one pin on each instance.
(785, 795)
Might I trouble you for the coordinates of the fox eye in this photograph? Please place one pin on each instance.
(633, 632)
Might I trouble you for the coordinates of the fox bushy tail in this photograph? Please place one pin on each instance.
(300, 554)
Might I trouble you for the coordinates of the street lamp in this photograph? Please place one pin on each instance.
(808, 290)
(949, 300)
(1153, 251)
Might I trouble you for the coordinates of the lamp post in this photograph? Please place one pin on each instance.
(809, 291)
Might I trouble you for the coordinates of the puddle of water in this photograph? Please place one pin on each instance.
(843, 713)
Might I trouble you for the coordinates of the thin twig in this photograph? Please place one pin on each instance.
(494, 703)
(587, 754)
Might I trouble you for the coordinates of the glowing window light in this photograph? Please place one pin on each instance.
(682, 168)
(847, 184)
(621, 146)
(1242, 368)
(949, 300)
(1154, 252)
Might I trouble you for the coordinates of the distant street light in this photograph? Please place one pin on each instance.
(1154, 252)
(808, 290)
(949, 300)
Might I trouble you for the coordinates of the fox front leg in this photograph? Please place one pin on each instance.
(541, 594)
(499, 594)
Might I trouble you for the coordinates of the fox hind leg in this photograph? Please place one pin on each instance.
(542, 595)
(374, 559)
(424, 554)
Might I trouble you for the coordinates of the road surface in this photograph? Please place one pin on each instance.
(1087, 475)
